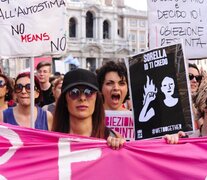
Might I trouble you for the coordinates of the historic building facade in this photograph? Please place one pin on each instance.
(98, 31)
(102, 30)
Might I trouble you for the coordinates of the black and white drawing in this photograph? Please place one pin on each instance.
(168, 88)
(159, 91)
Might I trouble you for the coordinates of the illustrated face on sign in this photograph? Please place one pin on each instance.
(168, 86)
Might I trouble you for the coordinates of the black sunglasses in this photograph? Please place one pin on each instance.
(2, 85)
(198, 78)
(75, 93)
(19, 88)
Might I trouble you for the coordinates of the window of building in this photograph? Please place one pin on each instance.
(91, 64)
(72, 27)
(120, 30)
(133, 22)
(27, 63)
(142, 23)
(89, 25)
(105, 30)
(133, 37)
(142, 37)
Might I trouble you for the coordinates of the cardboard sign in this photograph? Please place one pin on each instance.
(32, 28)
(122, 122)
(160, 95)
(173, 20)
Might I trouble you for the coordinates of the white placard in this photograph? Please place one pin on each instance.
(60, 66)
(32, 28)
(173, 20)
(121, 122)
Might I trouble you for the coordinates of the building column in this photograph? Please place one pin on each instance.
(100, 29)
(95, 28)
(83, 26)
(125, 28)
(83, 62)
(114, 27)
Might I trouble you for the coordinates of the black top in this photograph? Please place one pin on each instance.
(47, 97)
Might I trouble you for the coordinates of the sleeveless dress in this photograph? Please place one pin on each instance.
(40, 122)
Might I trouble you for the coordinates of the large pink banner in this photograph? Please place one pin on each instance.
(32, 154)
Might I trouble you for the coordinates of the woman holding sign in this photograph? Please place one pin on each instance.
(113, 83)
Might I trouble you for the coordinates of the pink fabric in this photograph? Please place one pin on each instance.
(49, 155)
(37, 60)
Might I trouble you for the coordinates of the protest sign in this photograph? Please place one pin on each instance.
(160, 92)
(32, 28)
(34, 154)
(121, 122)
(173, 20)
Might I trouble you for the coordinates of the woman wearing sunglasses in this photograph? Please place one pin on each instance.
(20, 114)
(195, 78)
(195, 81)
(79, 109)
(6, 92)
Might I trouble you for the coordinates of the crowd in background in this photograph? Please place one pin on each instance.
(70, 103)
(61, 100)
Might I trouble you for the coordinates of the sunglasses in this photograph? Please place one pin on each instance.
(2, 85)
(75, 93)
(198, 78)
(19, 88)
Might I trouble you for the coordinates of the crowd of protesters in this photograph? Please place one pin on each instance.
(74, 103)
(198, 86)
(70, 103)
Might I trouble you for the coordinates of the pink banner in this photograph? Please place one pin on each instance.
(33, 154)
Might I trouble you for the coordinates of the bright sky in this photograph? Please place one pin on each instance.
(137, 4)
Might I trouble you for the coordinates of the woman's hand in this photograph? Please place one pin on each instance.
(115, 143)
(174, 138)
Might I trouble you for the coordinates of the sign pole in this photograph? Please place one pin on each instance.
(32, 120)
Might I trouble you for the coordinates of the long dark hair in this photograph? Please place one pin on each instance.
(62, 117)
(9, 87)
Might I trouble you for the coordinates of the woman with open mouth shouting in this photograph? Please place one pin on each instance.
(113, 83)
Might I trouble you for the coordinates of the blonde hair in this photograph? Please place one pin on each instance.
(201, 96)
